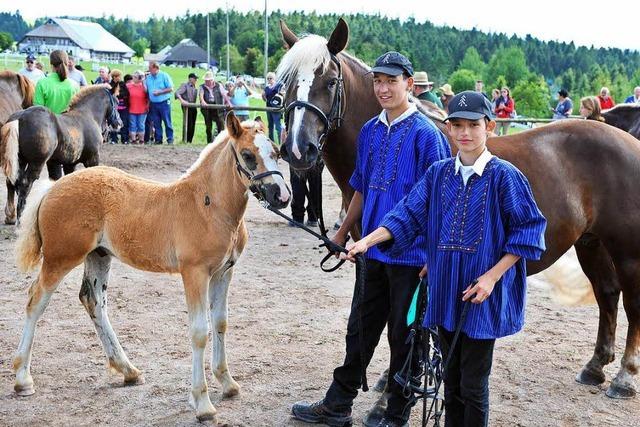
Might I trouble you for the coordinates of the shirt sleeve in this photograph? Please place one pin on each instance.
(356, 178)
(525, 222)
(433, 147)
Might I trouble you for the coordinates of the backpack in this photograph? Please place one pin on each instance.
(277, 101)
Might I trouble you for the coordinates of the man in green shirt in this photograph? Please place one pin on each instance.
(56, 90)
(422, 88)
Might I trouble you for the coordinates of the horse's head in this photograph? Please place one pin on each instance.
(312, 76)
(257, 160)
(113, 117)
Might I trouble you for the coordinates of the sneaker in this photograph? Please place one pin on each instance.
(311, 223)
(318, 412)
(388, 422)
(170, 142)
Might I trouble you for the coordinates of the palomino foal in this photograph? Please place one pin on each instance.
(193, 226)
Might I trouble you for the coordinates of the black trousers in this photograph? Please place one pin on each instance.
(388, 292)
(299, 192)
(210, 117)
(466, 384)
(189, 115)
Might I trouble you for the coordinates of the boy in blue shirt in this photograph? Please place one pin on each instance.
(481, 222)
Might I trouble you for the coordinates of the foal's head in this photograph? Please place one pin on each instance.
(257, 160)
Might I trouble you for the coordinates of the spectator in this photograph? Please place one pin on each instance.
(211, 92)
(29, 70)
(138, 108)
(159, 88)
(75, 72)
(565, 106)
(504, 110)
(495, 95)
(422, 88)
(445, 95)
(239, 94)
(187, 93)
(56, 90)
(605, 99)
(273, 97)
(103, 76)
(480, 88)
(590, 108)
(635, 98)
(122, 94)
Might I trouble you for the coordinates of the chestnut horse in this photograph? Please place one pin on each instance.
(36, 136)
(193, 227)
(17, 93)
(584, 176)
(625, 117)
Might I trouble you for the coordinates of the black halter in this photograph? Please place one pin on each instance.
(334, 119)
(113, 116)
(253, 178)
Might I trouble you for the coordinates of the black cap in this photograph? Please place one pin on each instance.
(31, 57)
(193, 76)
(393, 64)
(469, 105)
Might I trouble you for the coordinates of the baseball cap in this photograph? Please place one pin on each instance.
(31, 57)
(469, 105)
(393, 64)
(193, 76)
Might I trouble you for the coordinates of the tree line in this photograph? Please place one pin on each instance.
(533, 69)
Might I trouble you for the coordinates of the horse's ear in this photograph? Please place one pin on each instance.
(339, 38)
(287, 35)
(233, 125)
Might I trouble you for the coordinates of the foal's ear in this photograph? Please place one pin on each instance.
(339, 38)
(259, 124)
(287, 35)
(233, 125)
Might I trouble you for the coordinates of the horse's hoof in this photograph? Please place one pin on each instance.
(616, 391)
(590, 377)
(373, 416)
(381, 384)
(233, 391)
(10, 221)
(24, 390)
(209, 416)
(139, 380)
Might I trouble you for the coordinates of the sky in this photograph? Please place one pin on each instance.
(544, 19)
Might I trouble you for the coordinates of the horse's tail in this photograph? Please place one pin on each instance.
(9, 146)
(569, 285)
(29, 240)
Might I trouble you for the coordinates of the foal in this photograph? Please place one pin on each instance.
(193, 227)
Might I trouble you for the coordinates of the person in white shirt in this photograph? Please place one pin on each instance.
(76, 74)
(30, 71)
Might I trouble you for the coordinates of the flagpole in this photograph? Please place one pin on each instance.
(266, 42)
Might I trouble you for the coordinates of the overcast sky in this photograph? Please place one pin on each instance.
(613, 26)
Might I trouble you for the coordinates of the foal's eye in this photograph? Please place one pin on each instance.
(248, 156)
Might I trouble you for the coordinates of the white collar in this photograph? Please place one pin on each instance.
(479, 165)
(409, 111)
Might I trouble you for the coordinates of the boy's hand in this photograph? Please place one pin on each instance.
(423, 272)
(358, 247)
(482, 289)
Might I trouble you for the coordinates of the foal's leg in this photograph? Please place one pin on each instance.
(93, 295)
(10, 207)
(39, 296)
(218, 287)
(598, 266)
(196, 281)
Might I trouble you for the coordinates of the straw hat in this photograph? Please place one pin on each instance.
(446, 89)
(208, 76)
(420, 78)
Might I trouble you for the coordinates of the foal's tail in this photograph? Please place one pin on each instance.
(29, 241)
(9, 150)
(569, 285)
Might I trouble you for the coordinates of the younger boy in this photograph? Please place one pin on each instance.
(481, 222)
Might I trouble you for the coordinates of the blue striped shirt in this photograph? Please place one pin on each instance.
(390, 160)
(468, 230)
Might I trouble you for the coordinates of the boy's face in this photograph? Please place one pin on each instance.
(391, 91)
(470, 136)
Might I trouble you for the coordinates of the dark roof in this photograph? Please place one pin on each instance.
(186, 51)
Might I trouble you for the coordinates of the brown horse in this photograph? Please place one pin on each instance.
(584, 176)
(625, 117)
(36, 136)
(17, 93)
(193, 227)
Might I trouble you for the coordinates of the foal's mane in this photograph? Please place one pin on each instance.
(86, 92)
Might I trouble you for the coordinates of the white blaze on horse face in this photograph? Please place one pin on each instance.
(265, 148)
(305, 80)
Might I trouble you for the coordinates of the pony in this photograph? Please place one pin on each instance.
(36, 136)
(625, 117)
(193, 227)
(592, 208)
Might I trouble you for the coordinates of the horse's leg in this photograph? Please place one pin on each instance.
(39, 296)
(598, 266)
(218, 287)
(55, 170)
(196, 282)
(10, 208)
(68, 168)
(623, 385)
(24, 183)
(93, 295)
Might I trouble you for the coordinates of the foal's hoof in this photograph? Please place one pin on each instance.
(9, 221)
(616, 391)
(209, 416)
(24, 390)
(590, 377)
(139, 380)
(231, 391)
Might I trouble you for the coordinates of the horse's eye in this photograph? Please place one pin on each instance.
(332, 83)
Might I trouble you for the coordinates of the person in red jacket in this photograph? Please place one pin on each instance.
(505, 107)
(606, 101)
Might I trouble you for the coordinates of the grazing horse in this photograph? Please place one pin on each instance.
(36, 136)
(625, 117)
(17, 93)
(193, 227)
(592, 208)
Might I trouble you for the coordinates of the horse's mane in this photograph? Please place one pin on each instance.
(624, 107)
(85, 92)
(310, 52)
(26, 86)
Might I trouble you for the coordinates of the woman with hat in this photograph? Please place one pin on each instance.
(446, 95)
(211, 92)
(187, 93)
(56, 90)
(422, 88)
(565, 106)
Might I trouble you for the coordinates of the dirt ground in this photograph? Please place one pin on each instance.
(287, 322)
